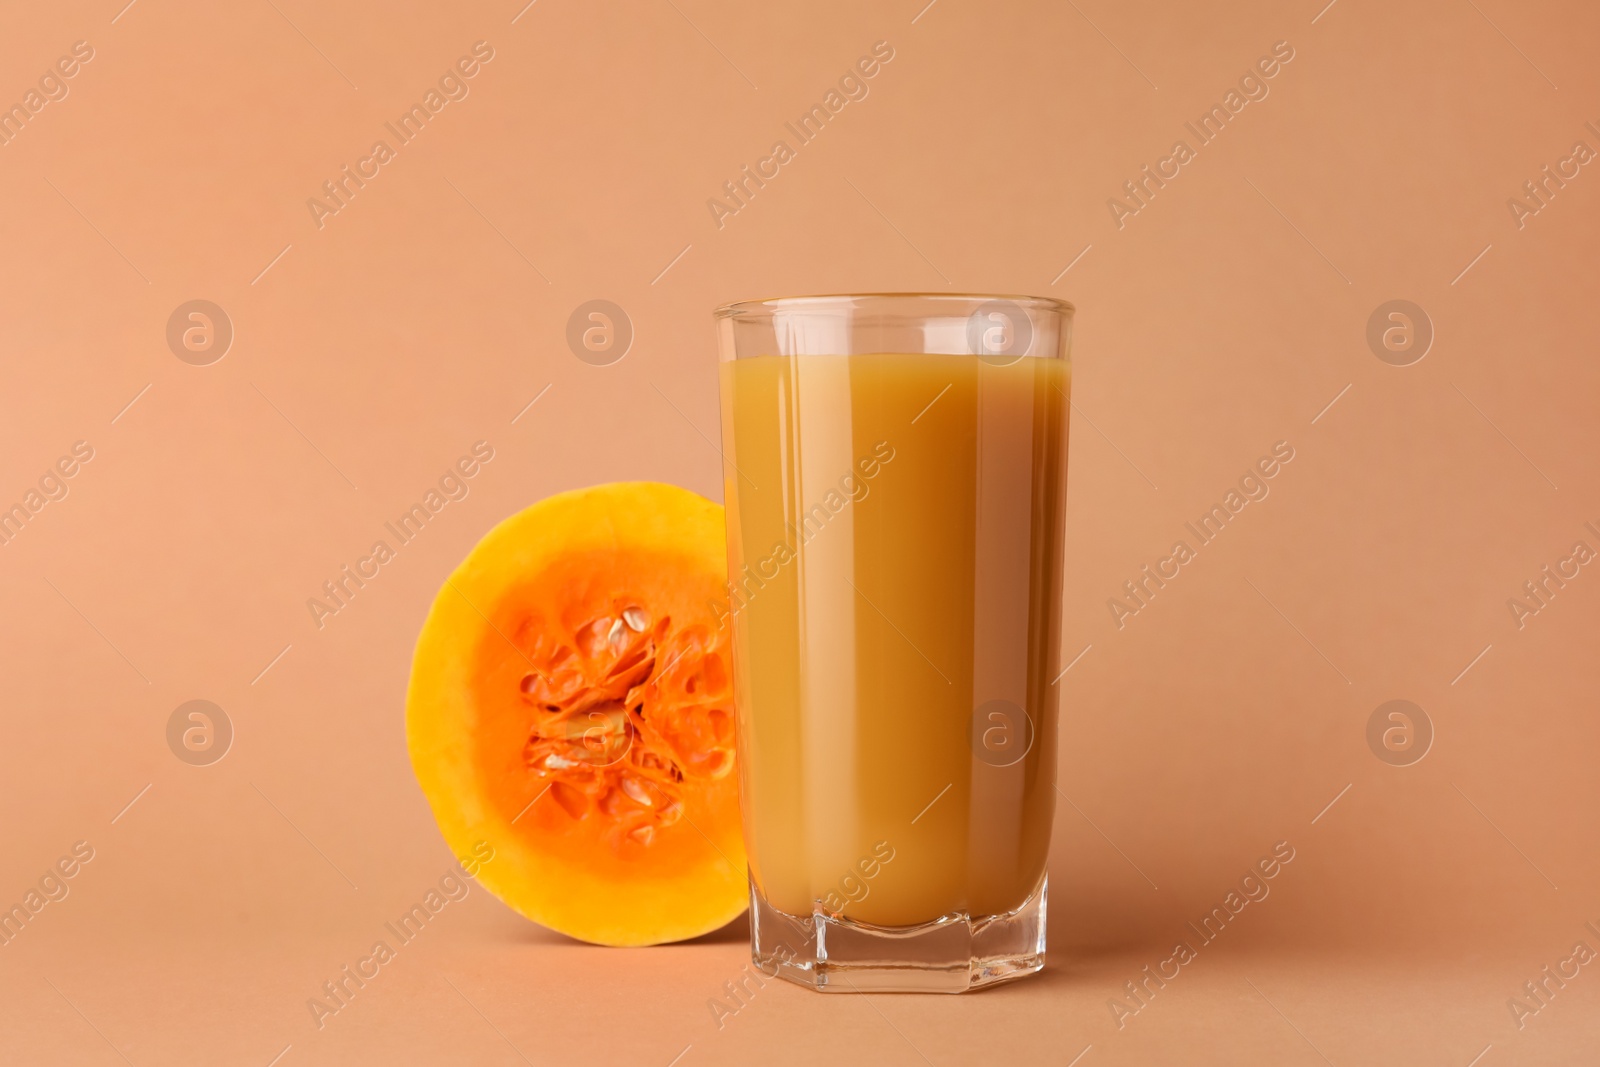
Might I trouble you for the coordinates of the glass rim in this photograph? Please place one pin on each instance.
(842, 301)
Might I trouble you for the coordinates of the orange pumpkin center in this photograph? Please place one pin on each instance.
(618, 707)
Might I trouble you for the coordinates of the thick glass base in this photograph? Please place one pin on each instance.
(951, 954)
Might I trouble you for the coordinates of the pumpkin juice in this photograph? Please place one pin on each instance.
(894, 546)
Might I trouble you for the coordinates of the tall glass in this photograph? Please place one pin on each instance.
(895, 474)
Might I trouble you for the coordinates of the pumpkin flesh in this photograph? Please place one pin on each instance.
(571, 706)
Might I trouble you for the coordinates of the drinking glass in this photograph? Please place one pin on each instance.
(895, 471)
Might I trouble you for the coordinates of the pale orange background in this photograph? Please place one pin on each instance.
(1222, 318)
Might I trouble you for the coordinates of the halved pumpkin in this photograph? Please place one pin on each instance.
(570, 707)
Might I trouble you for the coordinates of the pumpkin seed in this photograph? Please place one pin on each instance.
(636, 791)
